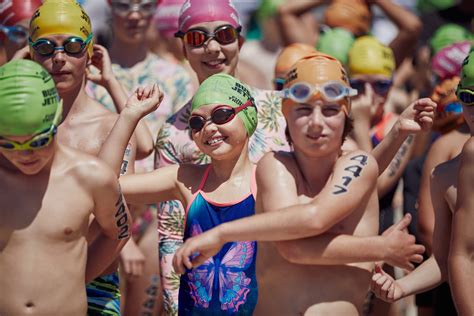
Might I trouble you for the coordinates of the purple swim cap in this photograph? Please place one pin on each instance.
(448, 61)
(198, 11)
(166, 17)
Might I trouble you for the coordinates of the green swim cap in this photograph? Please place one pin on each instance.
(267, 9)
(435, 5)
(225, 89)
(448, 34)
(29, 102)
(336, 42)
(467, 71)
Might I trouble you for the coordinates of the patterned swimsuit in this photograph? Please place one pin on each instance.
(226, 283)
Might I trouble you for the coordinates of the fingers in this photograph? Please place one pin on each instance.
(404, 222)
(416, 258)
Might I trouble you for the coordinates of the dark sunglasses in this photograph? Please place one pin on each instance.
(15, 33)
(72, 46)
(380, 87)
(224, 35)
(219, 115)
(123, 8)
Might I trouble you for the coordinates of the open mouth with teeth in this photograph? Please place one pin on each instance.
(215, 141)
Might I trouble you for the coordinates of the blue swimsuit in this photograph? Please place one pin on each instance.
(226, 283)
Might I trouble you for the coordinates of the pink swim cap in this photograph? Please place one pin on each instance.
(448, 61)
(198, 11)
(14, 11)
(166, 17)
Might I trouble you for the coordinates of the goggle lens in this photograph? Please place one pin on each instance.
(16, 33)
(37, 142)
(125, 8)
(223, 35)
(330, 91)
(466, 96)
(72, 46)
(278, 84)
(380, 87)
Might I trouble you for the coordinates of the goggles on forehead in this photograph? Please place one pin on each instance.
(331, 91)
(73, 45)
(380, 87)
(466, 96)
(225, 34)
(124, 8)
(221, 114)
(15, 33)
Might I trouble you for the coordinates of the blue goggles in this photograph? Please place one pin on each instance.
(72, 46)
(15, 33)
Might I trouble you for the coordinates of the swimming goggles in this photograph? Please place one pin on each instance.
(224, 35)
(219, 115)
(36, 142)
(15, 33)
(124, 8)
(381, 87)
(331, 91)
(73, 45)
(466, 96)
(278, 83)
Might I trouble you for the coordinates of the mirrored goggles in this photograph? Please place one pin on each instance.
(453, 107)
(73, 45)
(15, 33)
(331, 91)
(466, 96)
(124, 8)
(225, 34)
(278, 83)
(219, 115)
(381, 87)
(39, 141)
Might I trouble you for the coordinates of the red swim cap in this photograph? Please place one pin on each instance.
(198, 11)
(14, 11)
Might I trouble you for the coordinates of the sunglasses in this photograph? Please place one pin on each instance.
(380, 87)
(278, 83)
(124, 8)
(36, 142)
(225, 34)
(466, 96)
(73, 45)
(219, 115)
(15, 33)
(301, 92)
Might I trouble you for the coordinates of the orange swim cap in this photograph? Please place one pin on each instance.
(352, 15)
(316, 69)
(449, 110)
(291, 54)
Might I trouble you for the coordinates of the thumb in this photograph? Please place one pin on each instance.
(404, 222)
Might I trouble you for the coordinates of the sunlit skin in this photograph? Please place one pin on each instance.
(29, 162)
(212, 57)
(11, 47)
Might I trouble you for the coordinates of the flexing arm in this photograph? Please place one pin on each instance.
(101, 60)
(434, 270)
(409, 29)
(111, 215)
(296, 22)
(461, 257)
(353, 180)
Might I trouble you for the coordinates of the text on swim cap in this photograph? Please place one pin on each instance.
(50, 96)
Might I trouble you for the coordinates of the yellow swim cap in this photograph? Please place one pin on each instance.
(368, 56)
(61, 17)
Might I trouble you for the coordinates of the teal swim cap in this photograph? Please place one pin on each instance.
(336, 42)
(467, 71)
(225, 89)
(29, 102)
(448, 34)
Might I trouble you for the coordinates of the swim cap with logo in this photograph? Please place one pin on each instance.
(449, 110)
(61, 17)
(316, 69)
(368, 56)
(225, 89)
(447, 35)
(448, 61)
(29, 102)
(351, 15)
(199, 11)
(467, 72)
(336, 42)
(291, 54)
